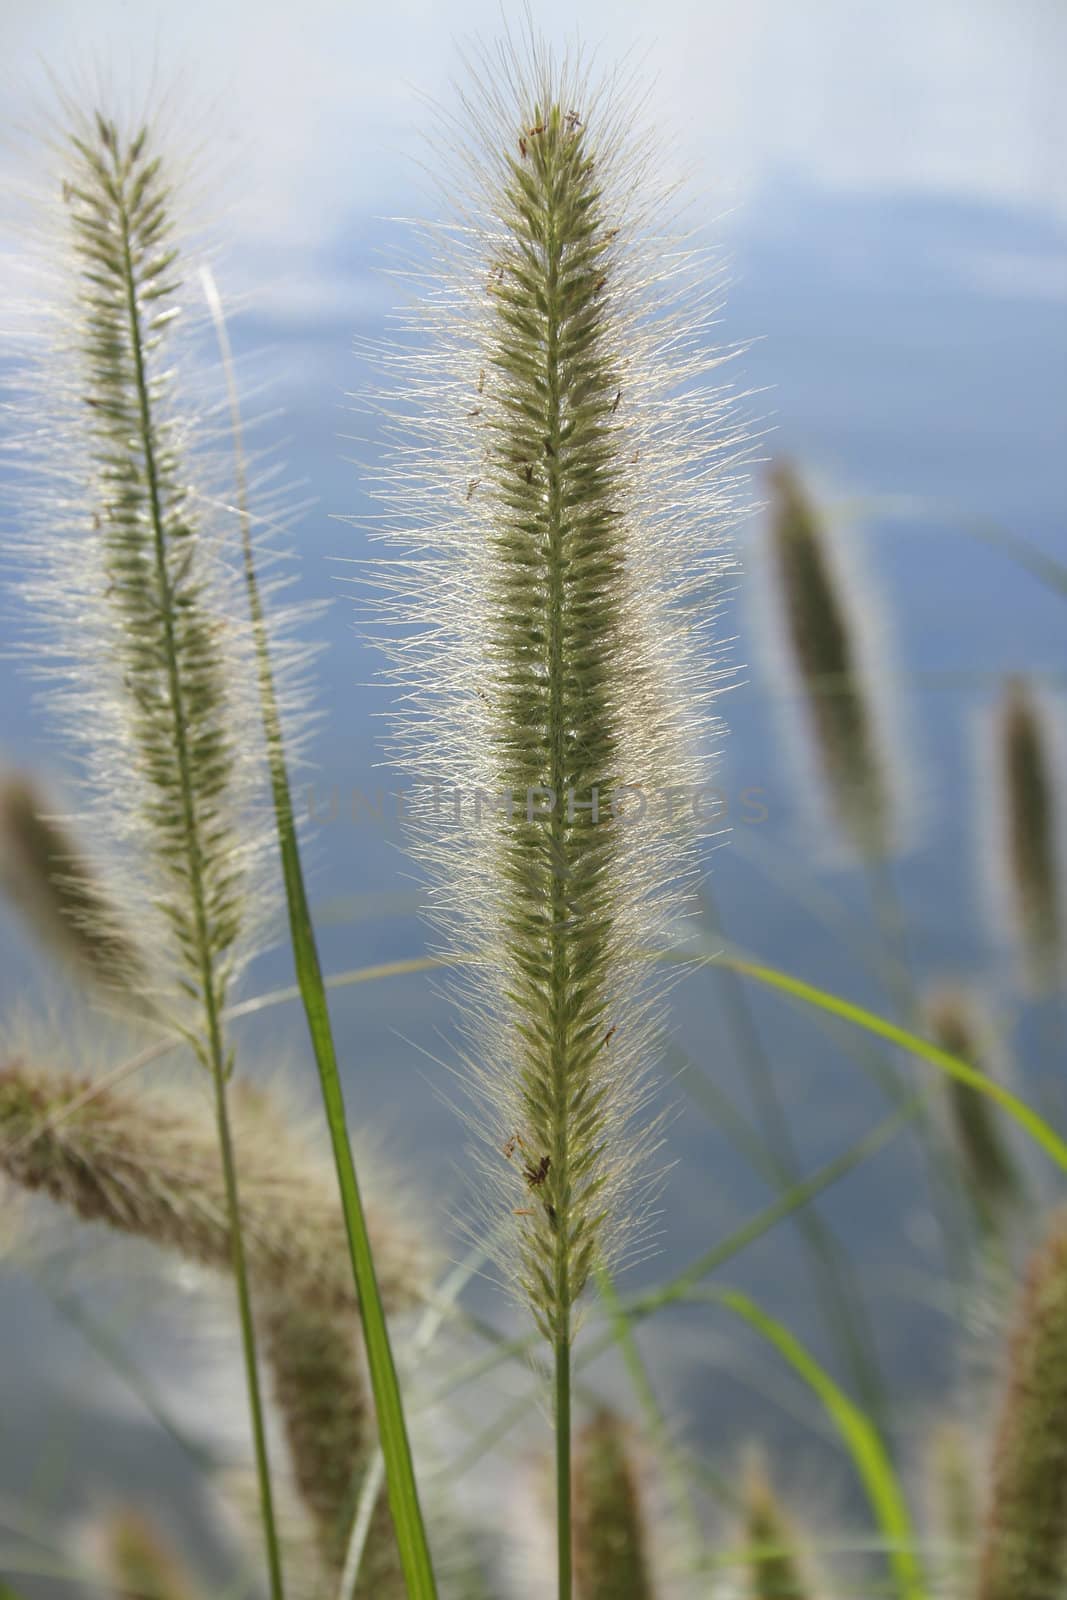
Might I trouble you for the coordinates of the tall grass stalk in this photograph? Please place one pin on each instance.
(130, 596)
(558, 465)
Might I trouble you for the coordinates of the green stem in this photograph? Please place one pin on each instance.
(561, 920)
(392, 1429)
(215, 1048)
(563, 1466)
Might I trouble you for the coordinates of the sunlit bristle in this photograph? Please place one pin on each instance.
(132, 610)
(147, 1164)
(562, 468)
(822, 623)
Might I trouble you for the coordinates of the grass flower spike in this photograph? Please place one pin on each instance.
(817, 617)
(611, 1555)
(1024, 1546)
(985, 1157)
(138, 1562)
(1026, 784)
(45, 872)
(775, 1571)
(136, 607)
(561, 472)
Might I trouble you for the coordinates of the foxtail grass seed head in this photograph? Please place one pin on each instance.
(989, 1170)
(611, 1542)
(822, 623)
(137, 618)
(775, 1569)
(560, 473)
(322, 1394)
(954, 1502)
(138, 1561)
(147, 1164)
(45, 872)
(1026, 785)
(1024, 1541)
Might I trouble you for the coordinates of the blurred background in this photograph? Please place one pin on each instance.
(886, 187)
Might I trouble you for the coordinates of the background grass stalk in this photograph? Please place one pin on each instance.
(396, 1448)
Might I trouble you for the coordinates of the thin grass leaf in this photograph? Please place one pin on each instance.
(1027, 1118)
(396, 1448)
(861, 1439)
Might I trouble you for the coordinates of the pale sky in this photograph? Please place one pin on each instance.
(317, 105)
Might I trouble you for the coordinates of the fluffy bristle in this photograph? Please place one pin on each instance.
(1024, 1544)
(817, 613)
(148, 1165)
(138, 621)
(560, 474)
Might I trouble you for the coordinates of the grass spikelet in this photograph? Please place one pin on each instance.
(1028, 840)
(46, 873)
(138, 1562)
(775, 1570)
(146, 1164)
(134, 604)
(990, 1173)
(611, 1556)
(323, 1396)
(1024, 1544)
(134, 608)
(818, 618)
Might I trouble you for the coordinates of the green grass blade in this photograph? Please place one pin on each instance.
(861, 1439)
(392, 1429)
(860, 1017)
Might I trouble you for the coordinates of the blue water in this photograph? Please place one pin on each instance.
(924, 390)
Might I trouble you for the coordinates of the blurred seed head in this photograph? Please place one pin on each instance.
(954, 1502)
(1025, 782)
(612, 1558)
(45, 872)
(1024, 1538)
(823, 622)
(774, 1562)
(993, 1182)
(322, 1392)
(138, 1560)
(146, 1163)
